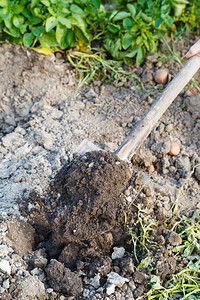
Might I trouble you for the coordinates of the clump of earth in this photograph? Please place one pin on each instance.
(66, 220)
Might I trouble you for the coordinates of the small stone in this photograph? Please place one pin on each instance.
(5, 266)
(161, 76)
(110, 289)
(169, 128)
(174, 149)
(118, 252)
(175, 239)
(139, 291)
(139, 277)
(95, 282)
(6, 284)
(4, 250)
(114, 280)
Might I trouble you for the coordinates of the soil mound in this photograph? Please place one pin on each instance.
(83, 203)
(89, 196)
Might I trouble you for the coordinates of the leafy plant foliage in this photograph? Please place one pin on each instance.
(125, 28)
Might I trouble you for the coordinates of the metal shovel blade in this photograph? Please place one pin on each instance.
(86, 146)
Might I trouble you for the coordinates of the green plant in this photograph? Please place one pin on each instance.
(185, 284)
(141, 239)
(134, 30)
(48, 23)
(129, 30)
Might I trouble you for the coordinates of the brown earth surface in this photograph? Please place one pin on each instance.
(66, 219)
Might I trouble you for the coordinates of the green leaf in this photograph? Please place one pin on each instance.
(26, 13)
(139, 40)
(146, 18)
(178, 9)
(116, 48)
(158, 21)
(28, 39)
(8, 21)
(37, 31)
(127, 23)
(96, 3)
(18, 21)
(23, 28)
(48, 40)
(45, 2)
(4, 3)
(65, 11)
(35, 21)
(114, 12)
(132, 10)
(61, 36)
(80, 35)
(4, 13)
(140, 55)
(77, 10)
(127, 61)
(156, 282)
(78, 21)
(126, 41)
(195, 266)
(169, 21)
(144, 263)
(18, 9)
(192, 297)
(121, 15)
(51, 11)
(113, 28)
(13, 31)
(65, 22)
(188, 250)
(70, 37)
(132, 53)
(34, 3)
(50, 23)
(180, 2)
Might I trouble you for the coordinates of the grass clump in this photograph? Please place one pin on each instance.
(184, 283)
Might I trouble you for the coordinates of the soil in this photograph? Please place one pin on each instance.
(66, 219)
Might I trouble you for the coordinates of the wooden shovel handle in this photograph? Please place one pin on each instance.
(143, 128)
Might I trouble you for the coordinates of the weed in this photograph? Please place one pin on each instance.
(185, 283)
(141, 240)
(92, 65)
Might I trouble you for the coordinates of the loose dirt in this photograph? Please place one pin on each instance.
(66, 220)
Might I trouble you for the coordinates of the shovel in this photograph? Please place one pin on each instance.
(143, 127)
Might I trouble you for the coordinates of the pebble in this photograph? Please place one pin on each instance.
(4, 250)
(118, 252)
(95, 282)
(6, 284)
(5, 266)
(175, 239)
(114, 280)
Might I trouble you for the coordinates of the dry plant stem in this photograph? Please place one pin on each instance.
(142, 129)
